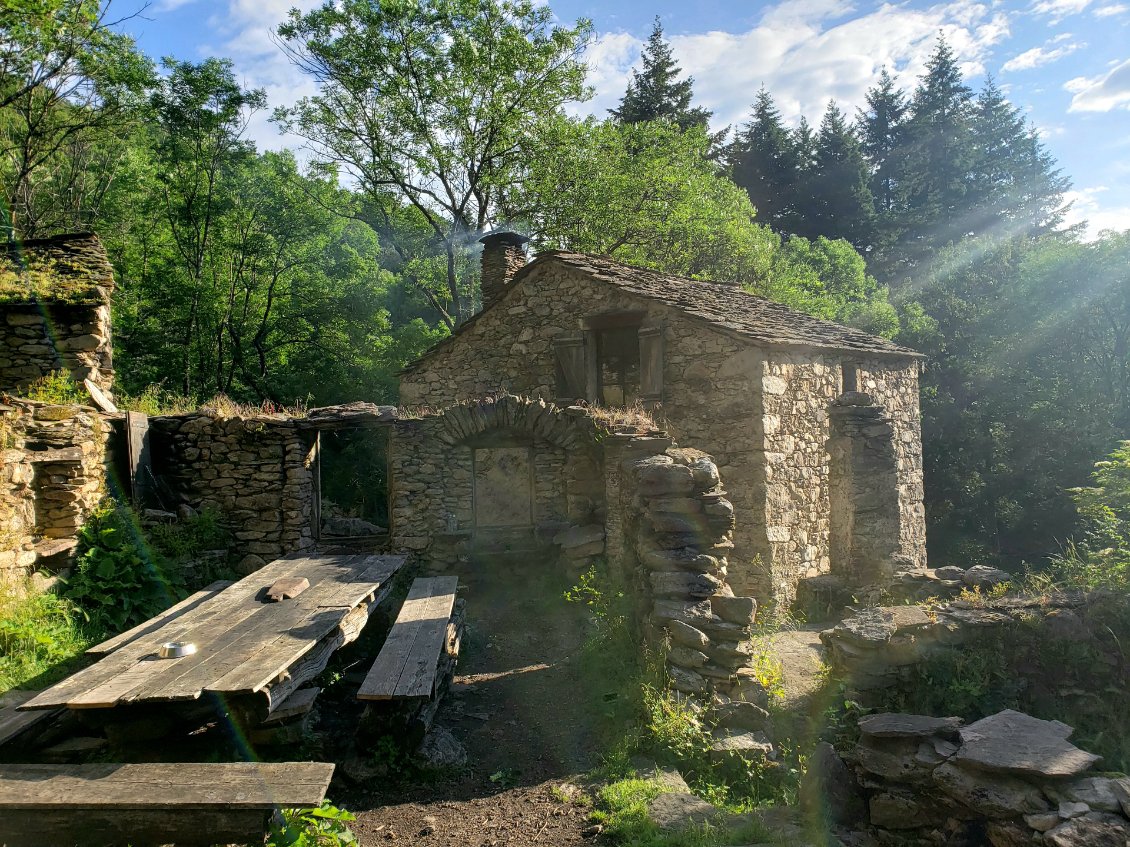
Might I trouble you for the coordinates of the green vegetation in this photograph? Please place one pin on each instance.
(621, 808)
(56, 387)
(40, 636)
(325, 826)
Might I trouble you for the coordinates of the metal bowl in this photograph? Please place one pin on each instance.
(176, 649)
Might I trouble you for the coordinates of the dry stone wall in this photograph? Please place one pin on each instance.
(53, 477)
(37, 340)
(257, 472)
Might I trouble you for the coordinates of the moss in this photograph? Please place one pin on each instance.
(69, 270)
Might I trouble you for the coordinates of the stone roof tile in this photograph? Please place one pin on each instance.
(725, 305)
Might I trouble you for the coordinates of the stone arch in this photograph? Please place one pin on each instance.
(567, 428)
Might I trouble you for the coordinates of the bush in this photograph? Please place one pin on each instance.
(119, 579)
(58, 388)
(1101, 559)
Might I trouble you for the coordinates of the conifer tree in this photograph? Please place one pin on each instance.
(656, 92)
(842, 203)
(882, 134)
(764, 159)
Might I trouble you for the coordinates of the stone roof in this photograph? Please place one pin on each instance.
(68, 269)
(727, 306)
(724, 305)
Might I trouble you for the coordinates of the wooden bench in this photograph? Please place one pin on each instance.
(416, 663)
(151, 804)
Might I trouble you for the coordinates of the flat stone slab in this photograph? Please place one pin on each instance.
(675, 810)
(1013, 742)
(893, 725)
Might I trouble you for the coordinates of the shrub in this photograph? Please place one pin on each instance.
(324, 826)
(57, 387)
(1102, 557)
(119, 579)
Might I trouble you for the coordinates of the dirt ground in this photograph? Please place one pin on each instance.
(515, 707)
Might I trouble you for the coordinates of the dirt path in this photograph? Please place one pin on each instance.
(515, 707)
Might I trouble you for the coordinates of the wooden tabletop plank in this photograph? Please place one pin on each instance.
(286, 644)
(297, 624)
(219, 645)
(226, 609)
(232, 785)
(423, 610)
(153, 624)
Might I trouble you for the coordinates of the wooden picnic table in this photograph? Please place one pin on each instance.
(253, 652)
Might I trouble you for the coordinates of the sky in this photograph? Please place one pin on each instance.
(1064, 63)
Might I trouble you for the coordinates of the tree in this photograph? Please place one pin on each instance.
(656, 93)
(764, 160)
(429, 104)
(838, 184)
(938, 158)
(648, 194)
(65, 77)
(202, 113)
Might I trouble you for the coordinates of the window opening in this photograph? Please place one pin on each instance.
(618, 365)
(849, 377)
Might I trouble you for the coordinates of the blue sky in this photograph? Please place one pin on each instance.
(1066, 63)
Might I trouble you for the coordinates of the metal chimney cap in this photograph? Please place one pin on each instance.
(503, 237)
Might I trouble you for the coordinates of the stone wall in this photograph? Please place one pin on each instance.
(760, 412)
(53, 476)
(632, 501)
(1006, 780)
(257, 472)
(37, 340)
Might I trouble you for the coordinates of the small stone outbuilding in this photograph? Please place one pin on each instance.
(55, 311)
(815, 426)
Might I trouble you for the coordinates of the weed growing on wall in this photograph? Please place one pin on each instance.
(58, 388)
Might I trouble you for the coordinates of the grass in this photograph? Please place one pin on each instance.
(621, 808)
(157, 400)
(41, 635)
(58, 389)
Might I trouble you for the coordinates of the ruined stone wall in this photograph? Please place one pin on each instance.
(896, 390)
(53, 477)
(798, 390)
(36, 340)
(257, 472)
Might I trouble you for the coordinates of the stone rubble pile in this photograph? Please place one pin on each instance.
(875, 649)
(1007, 780)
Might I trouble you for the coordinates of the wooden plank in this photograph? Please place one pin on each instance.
(298, 625)
(139, 457)
(423, 618)
(153, 624)
(13, 722)
(135, 827)
(286, 645)
(218, 615)
(422, 665)
(298, 703)
(231, 785)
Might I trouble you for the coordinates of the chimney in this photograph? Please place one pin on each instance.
(503, 256)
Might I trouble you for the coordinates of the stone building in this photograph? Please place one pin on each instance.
(55, 311)
(815, 426)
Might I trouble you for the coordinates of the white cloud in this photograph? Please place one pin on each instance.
(1101, 93)
(804, 58)
(1111, 11)
(610, 58)
(1057, 10)
(1086, 210)
(1039, 56)
(170, 5)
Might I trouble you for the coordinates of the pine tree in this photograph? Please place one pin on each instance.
(843, 205)
(938, 158)
(1015, 187)
(764, 160)
(657, 93)
(882, 133)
